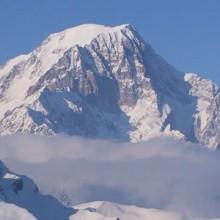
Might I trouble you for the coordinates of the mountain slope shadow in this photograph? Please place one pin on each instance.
(172, 89)
(86, 116)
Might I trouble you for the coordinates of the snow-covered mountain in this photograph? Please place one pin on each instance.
(106, 82)
(21, 200)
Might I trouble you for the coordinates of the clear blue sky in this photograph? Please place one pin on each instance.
(185, 32)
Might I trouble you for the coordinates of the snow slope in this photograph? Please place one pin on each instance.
(12, 212)
(115, 211)
(104, 211)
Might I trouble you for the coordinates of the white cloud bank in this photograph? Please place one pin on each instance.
(160, 173)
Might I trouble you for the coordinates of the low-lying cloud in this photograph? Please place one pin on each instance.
(160, 173)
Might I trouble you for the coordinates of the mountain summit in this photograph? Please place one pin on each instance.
(106, 82)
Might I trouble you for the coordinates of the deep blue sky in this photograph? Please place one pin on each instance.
(185, 32)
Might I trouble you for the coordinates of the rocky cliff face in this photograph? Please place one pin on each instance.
(105, 82)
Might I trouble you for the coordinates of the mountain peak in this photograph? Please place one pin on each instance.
(100, 81)
(84, 34)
